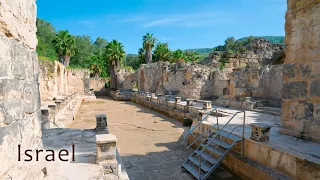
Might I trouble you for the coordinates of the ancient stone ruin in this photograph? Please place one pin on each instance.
(255, 118)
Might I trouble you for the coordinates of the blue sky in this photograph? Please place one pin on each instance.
(182, 24)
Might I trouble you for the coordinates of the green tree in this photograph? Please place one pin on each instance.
(64, 44)
(162, 52)
(191, 56)
(148, 43)
(46, 34)
(83, 52)
(134, 60)
(178, 56)
(114, 54)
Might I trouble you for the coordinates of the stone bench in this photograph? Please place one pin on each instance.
(260, 132)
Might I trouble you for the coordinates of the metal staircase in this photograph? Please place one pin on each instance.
(214, 147)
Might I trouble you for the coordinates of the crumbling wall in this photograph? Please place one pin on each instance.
(52, 79)
(187, 80)
(76, 80)
(270, 83)
(19, 90)
(301, 74)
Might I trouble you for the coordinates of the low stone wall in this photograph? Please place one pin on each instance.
(170, 108)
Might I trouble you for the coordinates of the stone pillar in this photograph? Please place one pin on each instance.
(106, 149)
(86, 82)
(189, 102)
(207, 105)
(177, 100)
(101, 126)
(301, 70)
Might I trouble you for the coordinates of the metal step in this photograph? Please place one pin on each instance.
(213, 148)
(189, 166)
(231, 136)
(195, 159)
(220, 143)
(207, 156)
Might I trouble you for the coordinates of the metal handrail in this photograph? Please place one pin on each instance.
(201, 136)
(220, 131)
(200, 122)
(219, 143)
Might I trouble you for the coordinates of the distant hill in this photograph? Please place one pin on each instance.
(204, 52)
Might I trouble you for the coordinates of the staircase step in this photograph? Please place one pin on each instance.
(220, 143)
(207, 156)
(189, 166)
(231, 136)
(195, 159)
(213, 148)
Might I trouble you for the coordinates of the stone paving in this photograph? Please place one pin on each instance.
(165, 166)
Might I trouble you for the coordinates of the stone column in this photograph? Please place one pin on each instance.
(86, 82)
(101, 126)
(106, 149)
(301, 70)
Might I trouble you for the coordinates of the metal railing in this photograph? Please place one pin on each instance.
(217, 133)
(199, 123)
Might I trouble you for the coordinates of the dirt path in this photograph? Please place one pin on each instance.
(151, 145)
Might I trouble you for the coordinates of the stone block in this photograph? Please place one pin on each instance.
(106, 149)
(207, 105)
(289, 70)
(101, 124)
(260, 132)
(294, 90)
(315, 88)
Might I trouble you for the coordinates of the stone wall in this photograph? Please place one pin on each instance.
(19, 90)
(301, 91)
(56, 81)
(76, 79)
(187, 80)
(52, 79)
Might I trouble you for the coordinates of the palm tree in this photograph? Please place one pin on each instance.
(162, 52)
(148, 43)
(114, 55)
(64, 44)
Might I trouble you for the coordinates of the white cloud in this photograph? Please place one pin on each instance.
(189, 20)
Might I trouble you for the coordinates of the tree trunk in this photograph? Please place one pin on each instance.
(66, 61)
(114, 80)
(148, 55)
(61, 58)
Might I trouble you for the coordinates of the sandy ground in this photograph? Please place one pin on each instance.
(139, 130)
(151, 145)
